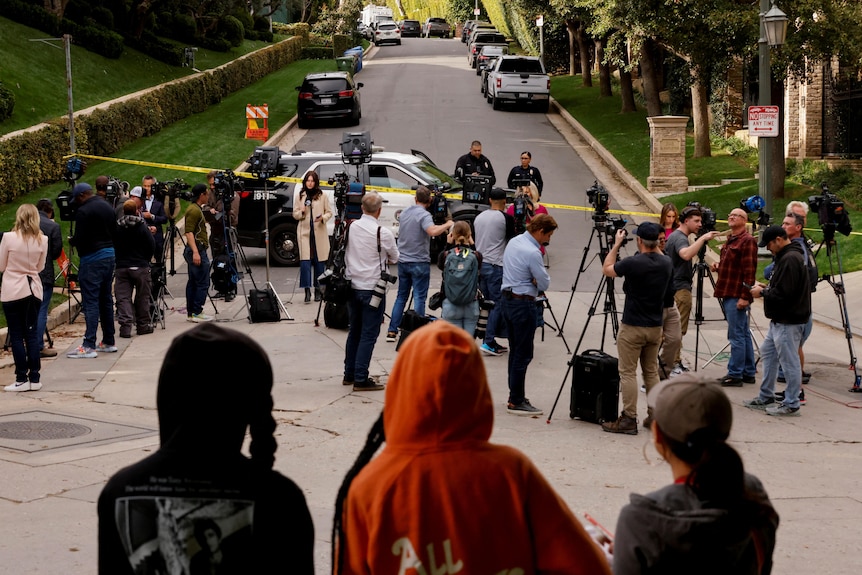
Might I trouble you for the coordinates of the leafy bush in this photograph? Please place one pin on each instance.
(261, 24)
(184, 29)
(32, 15)
(317, 53)
(300, 29)
(157, 48)
(216, 44)
(738, 148)
(99, 40)
(231, 30)
(245, 19)
(103, 17)
(341, 42)
(7, 102)
(843, 182)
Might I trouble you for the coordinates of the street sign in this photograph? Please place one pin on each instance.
(540, 20)
(763, 121)
(476, 11)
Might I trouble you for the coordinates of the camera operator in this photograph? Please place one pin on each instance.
(134, 246)
(369, 248)
(681, 252)
(415, 227)
(524, 278)
(195, 254)
(51, 229)
(525, 207)
(526, 172)
(153, 212)
(215, 216)
(737, 266)
(647, 275)
(95, 228)
(475, 164)
(494, 228)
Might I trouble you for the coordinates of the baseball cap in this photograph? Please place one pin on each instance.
(648, 231)
(80, 189)
(770, 234)
(137, 192)
(497, 194)
(687, 404)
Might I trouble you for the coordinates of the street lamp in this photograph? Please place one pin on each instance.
(773, 29)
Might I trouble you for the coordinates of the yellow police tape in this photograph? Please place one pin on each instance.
(367, 187)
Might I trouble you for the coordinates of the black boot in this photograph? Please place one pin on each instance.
(317, 294)
(307, 295)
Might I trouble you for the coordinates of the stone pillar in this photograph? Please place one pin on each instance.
(667, 154)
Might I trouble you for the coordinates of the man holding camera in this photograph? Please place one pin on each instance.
(474, 164)
(647, 275)
(681, 252)
(215, 217)
(736, 268)
(195, 254)
(152, 209)
(370, 247)
(415, 227)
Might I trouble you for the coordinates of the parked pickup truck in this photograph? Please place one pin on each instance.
(518, 79)
(484, 38)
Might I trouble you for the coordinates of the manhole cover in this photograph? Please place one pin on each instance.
(41, 430)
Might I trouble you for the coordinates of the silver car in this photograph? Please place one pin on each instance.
(387, 32)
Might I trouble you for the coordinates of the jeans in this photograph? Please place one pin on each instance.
(95, 279)
(417, 275)
(305, 278)
(21, 317)
(806, 332)
(364, 328)
(636, 343)
(133, 311)
(464, 316)
(741, 361)
(781, 347)
(199, 281)
(491, 284)
(671, 339)
(44, 308)
(520, 318)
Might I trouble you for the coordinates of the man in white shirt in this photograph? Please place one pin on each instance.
(370, 248)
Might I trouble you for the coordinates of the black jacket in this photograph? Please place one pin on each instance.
(95, 226)
(55, 246)
(134, 243)
(531, 173)
(788, 297)
(467, 165)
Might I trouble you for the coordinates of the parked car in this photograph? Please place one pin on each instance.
(364, 30)
(481, 39)
(328, 95)
(387, 32)
(487, 55)
(518, 79)
(479, 27)
(466, 28)
(386, 169)
(410, 28)
(436, 27)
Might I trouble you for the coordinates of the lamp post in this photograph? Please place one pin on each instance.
(540, 22)
(773, 30)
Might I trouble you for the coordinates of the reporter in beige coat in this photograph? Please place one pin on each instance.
(311, 207)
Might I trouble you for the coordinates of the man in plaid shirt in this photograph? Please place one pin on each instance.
(738, 266)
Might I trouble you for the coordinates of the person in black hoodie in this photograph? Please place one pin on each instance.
(715, 518)
(787, 303)
(134, 250)
(149, 512)
(51, 229)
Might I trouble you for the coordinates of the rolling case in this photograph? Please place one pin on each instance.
(595, 387)
(263, 306)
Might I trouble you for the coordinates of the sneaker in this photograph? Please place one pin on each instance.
(391, 335)
(346, 381)
(48, 352)
(806, 377)
(500, 348)
(681, 366)
(145, 330)
(82, 352)
(523, 408)
(370, 385)
(20, 386)
(647, 422)
(730, 381)
(488, 350)
(229, 297)
(199, 318)
(749, 379)
(677, 370)
(643, 388)
(779, 396)
(105, 348)
(758, 403)
(623, 424)
(782, 409)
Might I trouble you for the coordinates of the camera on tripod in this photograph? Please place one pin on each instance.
(115, 189)
(831, 212)
(356, 148)
(599, 198)
(439, 207)
(226, 184)
(380, 288)
(753, 204)
(476, 190)
(707, 218)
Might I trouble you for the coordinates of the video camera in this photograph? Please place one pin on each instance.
(439, 207)
(168, 192)
(599, 198)
(831, 213)
(356, 148)
(115, 189)
(753, 204)
(476, 190)
(707, 218)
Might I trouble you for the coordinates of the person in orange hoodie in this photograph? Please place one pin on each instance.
(440, 498)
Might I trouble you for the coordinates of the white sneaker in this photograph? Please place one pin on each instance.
(199, 318)
(676, 371)
(106, 348)
(82, 352)
(20, 386)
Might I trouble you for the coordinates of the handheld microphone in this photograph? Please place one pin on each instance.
(307, 202)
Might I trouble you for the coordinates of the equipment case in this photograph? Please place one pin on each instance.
(595, 387)
(263, 306)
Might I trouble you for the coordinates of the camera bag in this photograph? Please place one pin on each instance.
(335, 315)
(595, 387)
(410, 322)
(336, 287)
(263, 306)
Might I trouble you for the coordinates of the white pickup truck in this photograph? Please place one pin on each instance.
(518, 79)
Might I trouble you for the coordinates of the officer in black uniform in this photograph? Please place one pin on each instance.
(474, 164)
(526, 172)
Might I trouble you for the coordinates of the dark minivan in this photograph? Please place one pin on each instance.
(326, 96)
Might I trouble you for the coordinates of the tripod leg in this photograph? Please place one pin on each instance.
(560, 392)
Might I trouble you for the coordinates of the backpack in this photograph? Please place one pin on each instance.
(461, 276)
(811, 268)
(223, 275)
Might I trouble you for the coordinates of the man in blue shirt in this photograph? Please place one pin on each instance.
(415, 227)
(524, 278)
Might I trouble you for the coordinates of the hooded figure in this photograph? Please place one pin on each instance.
(149, 512)
(440, 498)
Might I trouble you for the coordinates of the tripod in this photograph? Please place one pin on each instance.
(545, 303)
(838, 287)
(274, 295)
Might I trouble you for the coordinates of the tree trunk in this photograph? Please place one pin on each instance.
(571, 26)
(649, 79)
(400, 5)
(583, 48)
(605, 90)
(55, 7)
(700, 115)
(777, 161)
(627, 94)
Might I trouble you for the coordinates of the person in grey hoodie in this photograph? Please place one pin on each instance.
(134, 249)
(714, 518)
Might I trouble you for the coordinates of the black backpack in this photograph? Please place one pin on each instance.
(223, 274)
